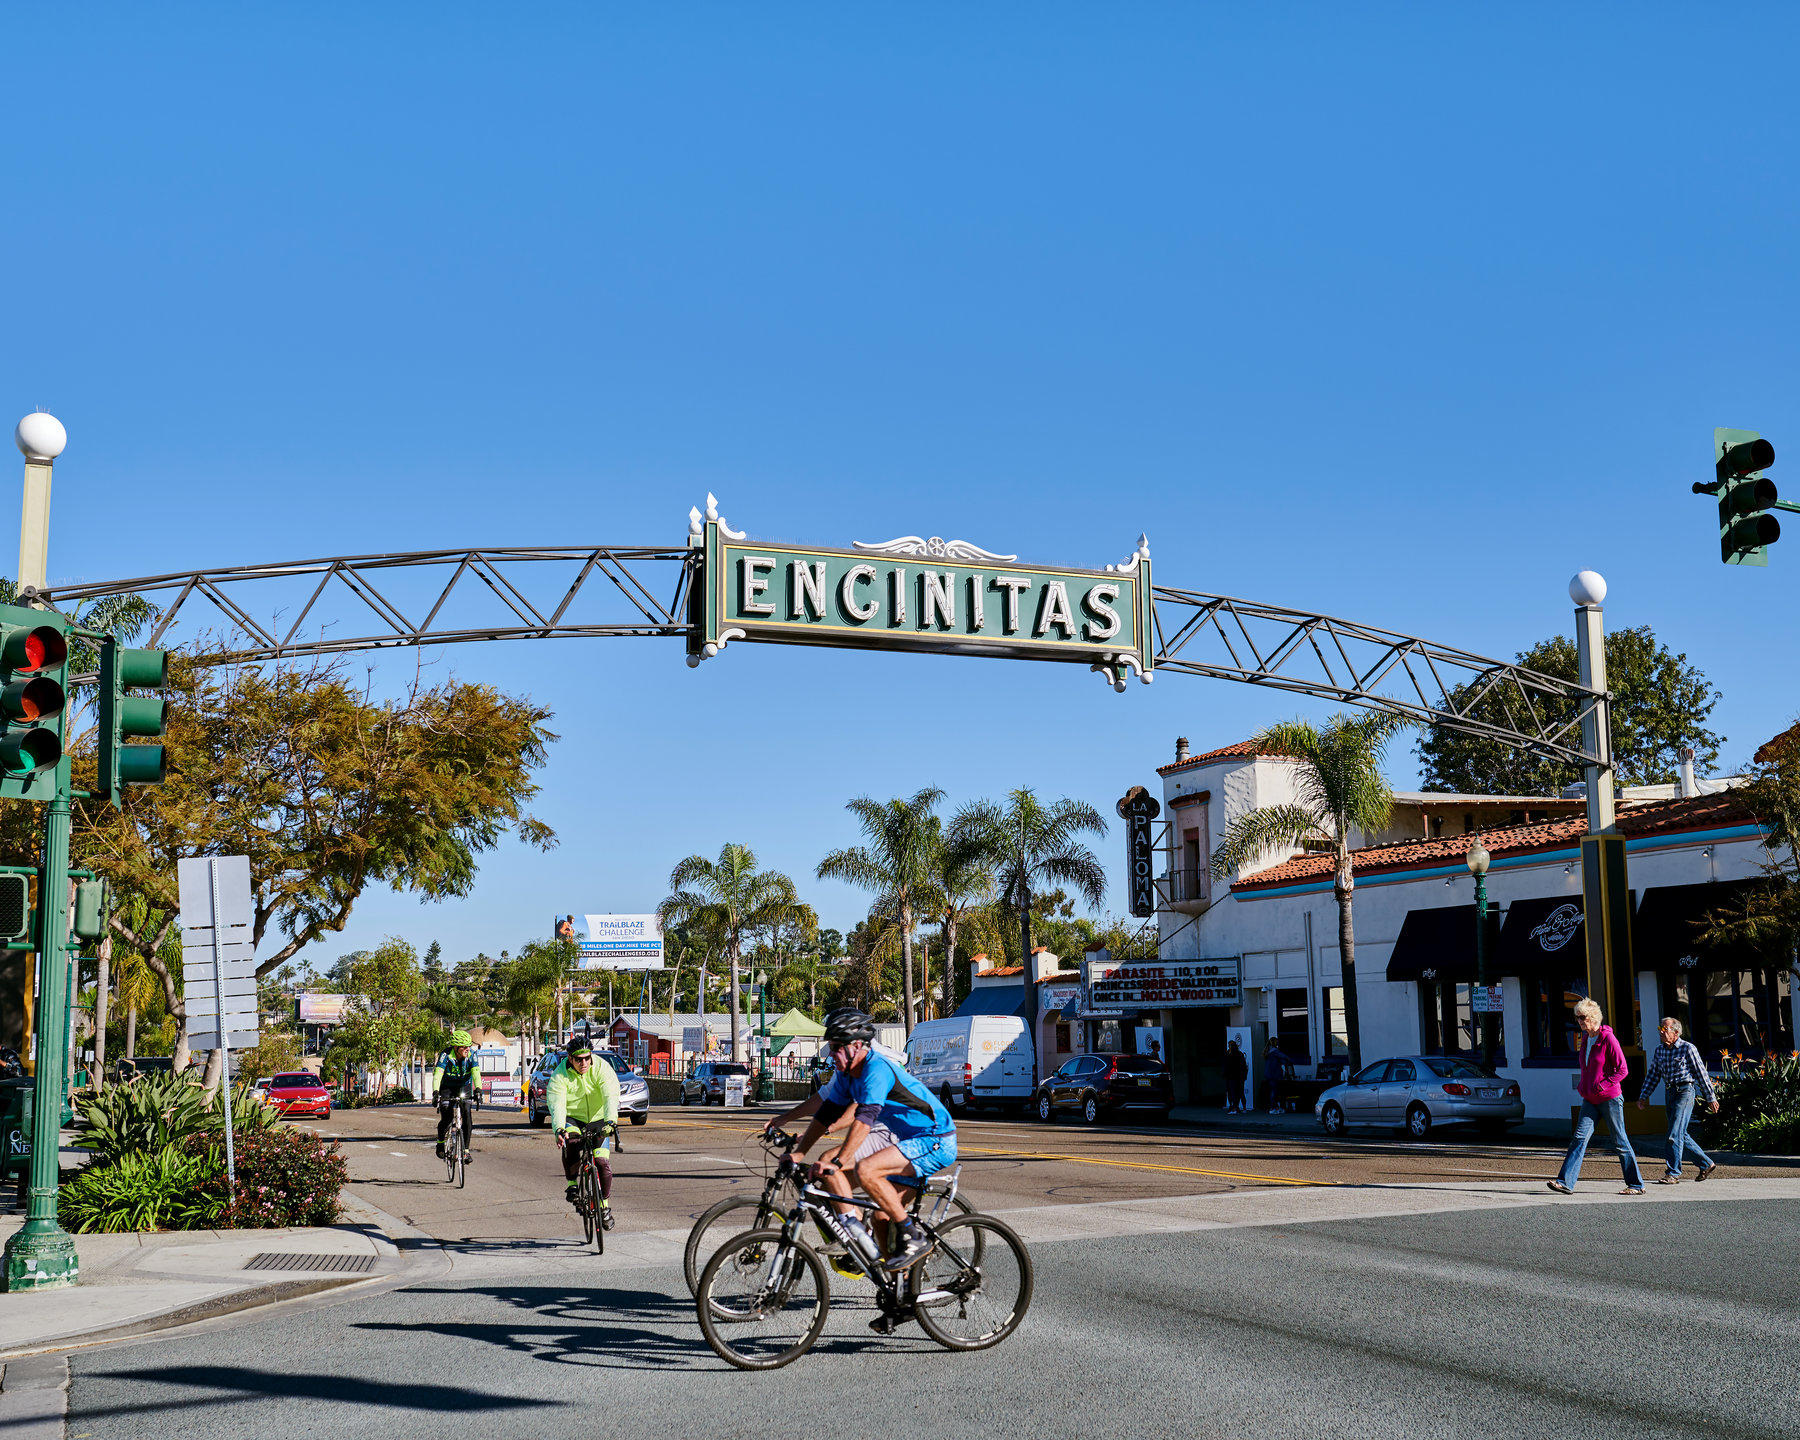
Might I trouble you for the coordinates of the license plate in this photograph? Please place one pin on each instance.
(1488, 1094)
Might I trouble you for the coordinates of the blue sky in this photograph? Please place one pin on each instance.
(1403, 313)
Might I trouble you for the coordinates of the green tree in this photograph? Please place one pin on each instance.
(324, 788)
(1765, 918)
(895, 864)
(386, 985)
(1660, 707)
(1338, 788)
(533, 982)
(731, 901)
(1030, 846)
(962, 879)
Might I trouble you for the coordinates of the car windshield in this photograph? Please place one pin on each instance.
(1141, 1064)
(1451, 1068)
(294, 1082)
(617, 1063)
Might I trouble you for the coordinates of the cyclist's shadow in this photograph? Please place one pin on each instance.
(610, 1328)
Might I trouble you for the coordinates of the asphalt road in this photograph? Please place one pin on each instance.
(685, 1159)
(1673, 1315)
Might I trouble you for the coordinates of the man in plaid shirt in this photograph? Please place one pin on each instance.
(1677, 1064)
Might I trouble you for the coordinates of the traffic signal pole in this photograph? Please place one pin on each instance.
(41, 1254)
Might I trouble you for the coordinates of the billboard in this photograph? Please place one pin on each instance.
(320, 1009)
(621, 942)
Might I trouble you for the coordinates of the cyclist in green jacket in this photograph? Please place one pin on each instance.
(456, 1075)
(583, 1089)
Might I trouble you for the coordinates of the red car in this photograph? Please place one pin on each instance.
(299, 1093)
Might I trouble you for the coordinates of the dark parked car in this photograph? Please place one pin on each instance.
(1094, 1085)
(707, 1083)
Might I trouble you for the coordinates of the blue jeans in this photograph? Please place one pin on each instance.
(1680, 1105)
(1614, 1110)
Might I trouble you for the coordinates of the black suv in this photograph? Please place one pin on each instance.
(1094, 1085)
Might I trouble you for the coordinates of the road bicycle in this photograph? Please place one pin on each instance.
(773, 1206)
(592, 1139)
(764, 1296)
(459, 1137)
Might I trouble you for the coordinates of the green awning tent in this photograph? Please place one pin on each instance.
(790, 1026)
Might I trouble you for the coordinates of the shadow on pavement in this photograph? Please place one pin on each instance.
(242, 1383)
(624, 1329)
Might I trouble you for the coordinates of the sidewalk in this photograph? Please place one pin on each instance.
(136, 1283)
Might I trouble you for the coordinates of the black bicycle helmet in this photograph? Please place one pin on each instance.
(578, 1047)
(844, 1026)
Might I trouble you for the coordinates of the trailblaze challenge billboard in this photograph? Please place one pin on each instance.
(614, 942)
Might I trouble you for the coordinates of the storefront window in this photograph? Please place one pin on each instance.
(1550, 1013)
(1447, 1020)
(1337, 1029)
(1293, 1028)
(1062, 1038)
(1748, 1012)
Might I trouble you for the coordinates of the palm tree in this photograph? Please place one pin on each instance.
(732, 899)
(532, 982)
(1030, 845)
(961, 879)
(1338, 788)
(895, 864)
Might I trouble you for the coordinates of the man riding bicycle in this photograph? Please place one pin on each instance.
(896, 1127)
(582, 1091)
(454, 1077)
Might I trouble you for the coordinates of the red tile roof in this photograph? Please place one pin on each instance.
(1224, 752)
(1700, 812)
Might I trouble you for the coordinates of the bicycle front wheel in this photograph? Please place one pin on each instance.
(974, 1288)
(589, 1198)
(762, 1300)
(725, 1219)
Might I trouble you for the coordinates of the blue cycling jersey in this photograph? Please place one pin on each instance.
(884, 1094)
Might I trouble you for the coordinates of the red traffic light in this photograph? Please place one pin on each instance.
(42, 647)
(1745, 459)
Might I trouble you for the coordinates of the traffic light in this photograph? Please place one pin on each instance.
(34, 665)
(1746, 496)
(15, 912)
(124, 717)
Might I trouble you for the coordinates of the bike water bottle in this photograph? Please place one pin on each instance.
(861, 1238)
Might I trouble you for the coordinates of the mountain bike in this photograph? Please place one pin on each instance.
(458, 1137)
(764, 1296)
(592, 1139)
(776, 1202)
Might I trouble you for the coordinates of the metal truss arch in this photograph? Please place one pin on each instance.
(346, 603)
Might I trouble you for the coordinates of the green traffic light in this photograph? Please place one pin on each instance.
(28, 752)
(124, 717)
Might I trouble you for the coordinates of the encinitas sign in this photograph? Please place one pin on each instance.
(946, 597)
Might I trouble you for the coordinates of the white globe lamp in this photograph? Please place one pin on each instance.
(1588, 588)
(40, 436)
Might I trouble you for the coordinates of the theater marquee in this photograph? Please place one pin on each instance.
(1165, 985)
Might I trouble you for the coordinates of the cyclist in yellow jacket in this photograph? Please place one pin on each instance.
(583, 1089)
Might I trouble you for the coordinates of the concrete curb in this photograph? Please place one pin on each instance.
(405, 1254)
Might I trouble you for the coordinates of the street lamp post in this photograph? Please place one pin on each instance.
(765, 1083)
(1478, 867)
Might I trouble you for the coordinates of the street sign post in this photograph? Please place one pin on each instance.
(219, 965)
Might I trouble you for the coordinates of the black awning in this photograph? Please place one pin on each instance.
(1436, 945)
(1546, 936)
(1663, 930)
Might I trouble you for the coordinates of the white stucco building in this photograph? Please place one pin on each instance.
(1415, 928)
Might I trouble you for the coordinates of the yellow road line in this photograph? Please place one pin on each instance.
(1139, 1165)
(1071, 1159)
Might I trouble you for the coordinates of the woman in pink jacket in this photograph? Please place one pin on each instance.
(1602, 1076)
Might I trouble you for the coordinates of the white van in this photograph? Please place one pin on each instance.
(973, 1059)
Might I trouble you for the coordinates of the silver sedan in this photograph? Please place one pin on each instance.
(1417, 1092)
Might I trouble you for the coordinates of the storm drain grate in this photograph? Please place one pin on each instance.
(270, 1260)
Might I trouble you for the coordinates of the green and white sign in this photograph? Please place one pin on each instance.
(946, 597)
